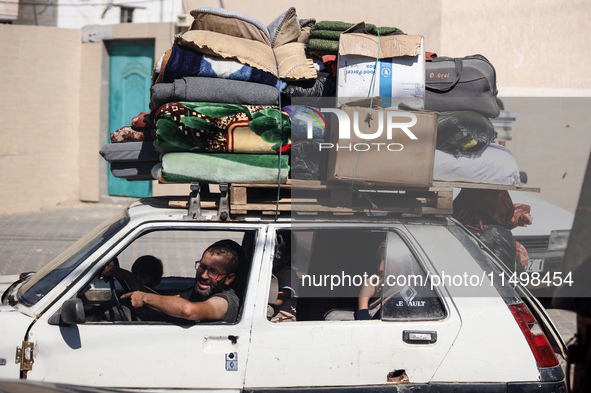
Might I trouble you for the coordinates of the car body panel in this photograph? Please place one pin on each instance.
(13, 327)
(487, 323)
(141, 349)
(341, 353)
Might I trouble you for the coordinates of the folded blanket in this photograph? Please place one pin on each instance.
(290, 57)
(184, 61)
(227, 91)
(325, 35)
(322, 47)
(331, 25)
(216, 127)
(221, 168)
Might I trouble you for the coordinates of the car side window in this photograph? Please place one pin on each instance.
(163, 262)
(329, 270)
(407, 292)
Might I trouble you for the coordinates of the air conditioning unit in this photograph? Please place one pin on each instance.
(184, 20)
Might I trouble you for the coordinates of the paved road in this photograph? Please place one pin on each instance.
(29, 241)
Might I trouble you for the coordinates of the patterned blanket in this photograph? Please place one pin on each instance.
(215, 127)
(184, 62)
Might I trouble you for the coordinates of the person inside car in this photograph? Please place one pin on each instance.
(210, 299)
(369, 301)
(286, 302)
(146, 273)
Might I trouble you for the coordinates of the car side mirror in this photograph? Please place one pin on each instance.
(71, 313)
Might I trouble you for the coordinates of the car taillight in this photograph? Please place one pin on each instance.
(534, 335)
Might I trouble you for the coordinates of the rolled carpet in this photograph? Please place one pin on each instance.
(221, 168)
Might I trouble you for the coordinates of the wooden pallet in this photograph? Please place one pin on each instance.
(314, 197)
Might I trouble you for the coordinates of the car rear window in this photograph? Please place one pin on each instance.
(336, 266)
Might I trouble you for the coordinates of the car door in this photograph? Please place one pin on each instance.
(150, 354)
(326, 346)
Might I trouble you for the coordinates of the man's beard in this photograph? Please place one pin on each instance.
(213, 288)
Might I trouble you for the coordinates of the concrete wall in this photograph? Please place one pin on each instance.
(538, 50)
(39, 113)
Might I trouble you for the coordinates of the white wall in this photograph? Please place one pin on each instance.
(75, 14)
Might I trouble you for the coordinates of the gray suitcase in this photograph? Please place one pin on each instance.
(461, 84)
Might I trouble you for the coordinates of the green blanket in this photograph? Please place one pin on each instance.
(342, 26)
(221, 128)
(222, 168)
(324, 35)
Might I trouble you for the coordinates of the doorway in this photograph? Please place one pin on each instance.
(130, 70)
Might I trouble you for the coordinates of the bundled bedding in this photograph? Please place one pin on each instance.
(216, 108)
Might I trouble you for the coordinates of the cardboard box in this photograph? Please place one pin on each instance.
(400, 74)
(373, 159)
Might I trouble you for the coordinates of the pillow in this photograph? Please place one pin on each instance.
(495, 165)
(305, 26)
(229, 22)
(293, 63)
(285, 28)
(129, 152)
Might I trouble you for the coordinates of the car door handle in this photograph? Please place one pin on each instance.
(220, 343)
(419, 337)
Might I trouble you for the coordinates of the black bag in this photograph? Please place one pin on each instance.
(464, 133)
(461, 84)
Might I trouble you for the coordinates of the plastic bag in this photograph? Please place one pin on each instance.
(464, 133)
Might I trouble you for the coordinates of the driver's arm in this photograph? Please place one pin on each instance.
(212, 309)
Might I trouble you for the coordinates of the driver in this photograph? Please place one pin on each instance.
(210, 299)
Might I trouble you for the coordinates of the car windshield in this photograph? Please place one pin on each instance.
(55, 271)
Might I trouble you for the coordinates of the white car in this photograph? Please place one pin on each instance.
(450, 318)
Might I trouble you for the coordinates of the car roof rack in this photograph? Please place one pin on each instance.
(314, 198)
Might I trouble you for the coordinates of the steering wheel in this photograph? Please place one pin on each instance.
(131, 316)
